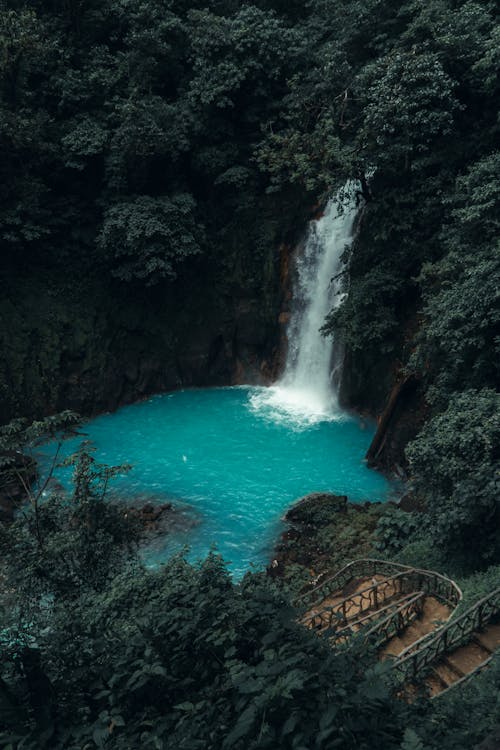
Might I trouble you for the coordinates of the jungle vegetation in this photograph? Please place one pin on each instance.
(98, 651)
(135, 139)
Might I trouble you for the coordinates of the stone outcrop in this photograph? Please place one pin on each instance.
(399, 422)
(149, 516)
(325, 530)
(316, 508)
(98, 348)
(155, 519)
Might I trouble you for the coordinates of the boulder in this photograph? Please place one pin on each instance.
(149, 516)
(316, 508)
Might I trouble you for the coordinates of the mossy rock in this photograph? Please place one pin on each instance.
(316, 509)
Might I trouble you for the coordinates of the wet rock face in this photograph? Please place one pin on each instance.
(365, 384)
(103, 347)
(404, 416)
(369, 387)
(218, 349)
(92, 344)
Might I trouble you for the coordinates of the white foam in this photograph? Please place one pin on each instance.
(297, 407)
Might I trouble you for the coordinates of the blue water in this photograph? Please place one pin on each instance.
(231, 464)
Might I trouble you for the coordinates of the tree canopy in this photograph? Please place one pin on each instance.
(150, 143)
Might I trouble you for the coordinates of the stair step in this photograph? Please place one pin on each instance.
(451, 664)
(353, 610)
(439, 678)
(489, 638)
(392, 648)
(447, 674)
(467, 658)
(435, 685)
(482, 645)
(434, 612)
(419, 627)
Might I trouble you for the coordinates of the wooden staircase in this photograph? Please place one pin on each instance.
(434, 614)
(457, 650)
(393, 602)
(406, 613)
(367, 596)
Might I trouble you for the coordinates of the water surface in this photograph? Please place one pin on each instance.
(233, 460)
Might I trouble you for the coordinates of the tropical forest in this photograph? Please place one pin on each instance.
(249, 375)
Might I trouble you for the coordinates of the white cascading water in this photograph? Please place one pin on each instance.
(308, 388)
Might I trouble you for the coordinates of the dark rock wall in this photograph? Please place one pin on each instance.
(366, 383)
(80, 340)
(91, 347)
(368, 387)
(83, 341)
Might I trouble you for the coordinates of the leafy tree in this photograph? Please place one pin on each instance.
(474, 215)
(66, 541)
(17, 467)
(69, 543)
(455, 464)
(459, 345)
(408, 105)
(181, 657)
(394, 529)
(147, 237)
(26, 46)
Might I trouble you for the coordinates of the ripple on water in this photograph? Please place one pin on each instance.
(236, 458)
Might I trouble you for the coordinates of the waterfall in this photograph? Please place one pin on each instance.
(313, 359)
(308, 388)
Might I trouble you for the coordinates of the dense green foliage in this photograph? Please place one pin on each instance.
(183, 658)
(96, 651)
(461, 445)
(126, 128)
(151, 154)
(406, 96)
(394, 529)
(130, 194)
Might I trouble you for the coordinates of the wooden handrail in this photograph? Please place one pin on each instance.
(382, 619)
(446, 590)
(329, 612)
(402, 617)
(416, 658)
